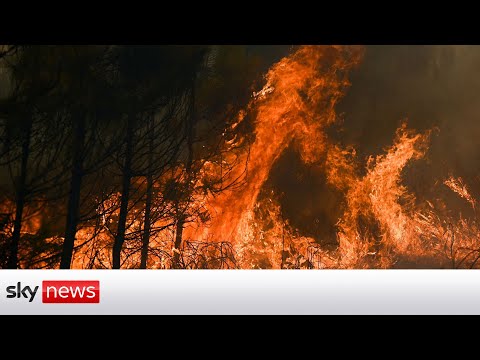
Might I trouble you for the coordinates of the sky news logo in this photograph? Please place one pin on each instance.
(58, 292)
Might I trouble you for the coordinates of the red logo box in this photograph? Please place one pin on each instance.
(71, 292)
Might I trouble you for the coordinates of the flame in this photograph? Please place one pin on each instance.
(382, 224)
(379, 209)
(296, 104)
(458, 186)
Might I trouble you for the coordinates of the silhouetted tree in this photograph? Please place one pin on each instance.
(100, 145)
(217, 94)
(29, 88)
(86, 73)
(149, 85)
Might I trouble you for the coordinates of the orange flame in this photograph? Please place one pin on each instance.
(382, 224)
(376, 200)
(458, 186)
(297, 103)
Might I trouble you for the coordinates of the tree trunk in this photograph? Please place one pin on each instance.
(190, 131)
(73, 209)
(178, 241)
(127, 176)
(20, 199)
(148, 201)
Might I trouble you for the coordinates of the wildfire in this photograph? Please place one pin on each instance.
(296, 104)
(379, 208)
(382, 223)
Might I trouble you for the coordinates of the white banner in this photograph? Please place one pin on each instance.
(239, 292)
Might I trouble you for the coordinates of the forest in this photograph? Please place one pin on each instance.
(104, 147)
(237, 157)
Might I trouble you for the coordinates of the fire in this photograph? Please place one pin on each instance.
(382, 223)
(458, 186)
(296, 104)
(378, 207)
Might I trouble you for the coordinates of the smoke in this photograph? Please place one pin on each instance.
(428, 85)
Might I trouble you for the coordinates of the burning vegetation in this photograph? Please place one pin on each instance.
(108, 160)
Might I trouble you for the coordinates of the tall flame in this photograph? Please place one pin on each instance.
(297, 103)
(382, 224)
(378, 207)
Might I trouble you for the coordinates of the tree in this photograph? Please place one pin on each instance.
(20, 109)
(138, 65)
(86, 83)
(113, 143)
(217, 94)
